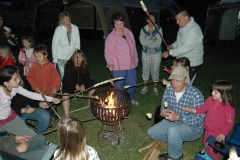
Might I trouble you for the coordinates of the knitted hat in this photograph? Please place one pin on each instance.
(179, 73)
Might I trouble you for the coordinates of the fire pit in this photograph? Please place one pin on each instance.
(111, 108)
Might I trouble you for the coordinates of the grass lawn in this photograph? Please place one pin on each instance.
(219, 63)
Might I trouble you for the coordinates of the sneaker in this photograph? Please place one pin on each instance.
(164, 156)
(144, 90)
(135, 103)
(155, 91)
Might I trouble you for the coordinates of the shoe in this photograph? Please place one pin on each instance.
(164, 156)
(144, 90)
(50, 126)
(155, 91)
(135, 103)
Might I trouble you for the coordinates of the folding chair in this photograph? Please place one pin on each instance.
(202, 155)
(49, 154)
(233, 141)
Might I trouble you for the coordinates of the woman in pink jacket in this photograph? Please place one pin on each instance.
(121, 55)
(220, 114)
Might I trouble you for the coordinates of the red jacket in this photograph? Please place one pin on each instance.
(219, 119)
(7, 61)
(44, 76)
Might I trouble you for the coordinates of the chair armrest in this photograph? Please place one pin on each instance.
(224, 148)
(232, 141)
(48, 155)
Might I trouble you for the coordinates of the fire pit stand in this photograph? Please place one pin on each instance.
(111, 108)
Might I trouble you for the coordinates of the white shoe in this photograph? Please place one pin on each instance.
(155, 91)
(144, 90)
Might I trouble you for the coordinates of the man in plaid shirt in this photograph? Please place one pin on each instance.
(178, 126)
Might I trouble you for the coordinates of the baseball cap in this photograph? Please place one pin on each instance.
(179, 73)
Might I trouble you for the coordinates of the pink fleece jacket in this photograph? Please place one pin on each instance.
(121, 52)
(219, 119)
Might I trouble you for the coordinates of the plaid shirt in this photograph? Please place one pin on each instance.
(192, 98)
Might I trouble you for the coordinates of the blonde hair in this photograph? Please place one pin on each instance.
(62, 15)
(8, 52)
(225, 88)
(72, 140)
(84, 63)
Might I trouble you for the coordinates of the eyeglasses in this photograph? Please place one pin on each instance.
(65, 120)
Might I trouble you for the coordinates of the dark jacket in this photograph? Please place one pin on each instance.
(19, 101)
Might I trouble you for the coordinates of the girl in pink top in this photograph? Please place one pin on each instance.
(220, 114)
(26, 56)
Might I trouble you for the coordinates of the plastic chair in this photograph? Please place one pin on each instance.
(49, 154)
(234, 140)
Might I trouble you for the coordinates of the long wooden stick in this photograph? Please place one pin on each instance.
(151, 150)
(148, 146)
(50, 106)
(57, 128)
(45, 133)
(138, 84)
(9, 133)
(145, 10)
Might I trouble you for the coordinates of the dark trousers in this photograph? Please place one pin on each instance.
(193, 71)
(157, 117)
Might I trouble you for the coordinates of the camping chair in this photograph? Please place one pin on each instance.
(233, 141)
(47, 156)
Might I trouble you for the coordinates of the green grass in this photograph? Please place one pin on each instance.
(219, 63)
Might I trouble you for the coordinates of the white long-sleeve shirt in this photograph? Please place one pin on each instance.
(61, 49)
(189, 43)
(5, 100)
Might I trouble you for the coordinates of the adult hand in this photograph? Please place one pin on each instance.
(154, 39)
(165, 54)
(169, 47)
(165, 82)
(43, 105)
(171, 115)
(220, 138)
(111, 67)
(23, 147)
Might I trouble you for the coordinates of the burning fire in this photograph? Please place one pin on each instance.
(109, 102)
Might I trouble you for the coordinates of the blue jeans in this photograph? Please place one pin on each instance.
(174, 134)
(42, 117)
(129, 79)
